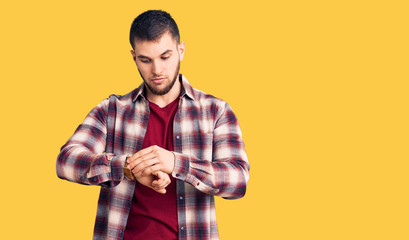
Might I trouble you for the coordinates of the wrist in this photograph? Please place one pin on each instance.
(173, 162)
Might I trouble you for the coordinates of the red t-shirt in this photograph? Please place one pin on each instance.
(154, 215)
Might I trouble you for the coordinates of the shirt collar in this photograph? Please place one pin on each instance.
(187, 89)
(139, 92)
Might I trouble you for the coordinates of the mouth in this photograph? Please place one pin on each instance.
(158, 80)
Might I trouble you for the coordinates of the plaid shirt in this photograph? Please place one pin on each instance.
(210, 159)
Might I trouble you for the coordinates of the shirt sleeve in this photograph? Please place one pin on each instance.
(83, 159)
(227, 174)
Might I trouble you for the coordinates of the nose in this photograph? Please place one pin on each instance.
(156, 68)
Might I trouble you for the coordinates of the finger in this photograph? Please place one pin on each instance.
(163, 179)
(160, 183)
(159, 189)
(161, 175)
(145, 171)
(141, 159)
(159, 179)
(143, 165)
(140, 153)
(150, 170)
(164, 184)
(136, 160)
(162, 190)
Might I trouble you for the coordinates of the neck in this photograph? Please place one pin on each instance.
(164, 100)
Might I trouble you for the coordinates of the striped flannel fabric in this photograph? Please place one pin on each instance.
(210, 159)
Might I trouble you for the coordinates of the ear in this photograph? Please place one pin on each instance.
(181, 49)
(133, 55)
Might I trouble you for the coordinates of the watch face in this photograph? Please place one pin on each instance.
(128, 173)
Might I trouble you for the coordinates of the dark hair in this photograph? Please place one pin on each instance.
(151, 25)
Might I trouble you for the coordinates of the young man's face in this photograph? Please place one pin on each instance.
(158, 62)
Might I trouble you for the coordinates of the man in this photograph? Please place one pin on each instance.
(161, 152)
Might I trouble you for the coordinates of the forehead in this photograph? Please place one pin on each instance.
(155, 48)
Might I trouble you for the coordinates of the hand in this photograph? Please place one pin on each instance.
(158, 181)
(150, 160)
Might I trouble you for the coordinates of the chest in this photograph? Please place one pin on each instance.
(192, 128)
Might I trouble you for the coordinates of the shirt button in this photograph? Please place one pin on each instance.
(177, 175)
(181, 198)
(182, 228)
(177, 137)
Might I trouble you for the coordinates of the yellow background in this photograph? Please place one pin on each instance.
(320, 89)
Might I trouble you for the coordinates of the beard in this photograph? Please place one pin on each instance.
(167, 88)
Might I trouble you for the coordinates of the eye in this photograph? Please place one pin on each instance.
(164, 58)
(146, 60)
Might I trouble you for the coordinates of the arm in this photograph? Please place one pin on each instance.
(227, 174)
(82, 158)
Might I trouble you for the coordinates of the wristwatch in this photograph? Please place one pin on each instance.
(127, 172)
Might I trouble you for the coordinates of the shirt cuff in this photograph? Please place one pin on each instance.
(181, 171)
(117, 163)
(181, 168)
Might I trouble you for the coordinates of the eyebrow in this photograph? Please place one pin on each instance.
(165, 52)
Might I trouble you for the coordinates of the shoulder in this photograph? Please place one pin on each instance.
(207, 99)
(122, 100)
(209, 105)
(202, 99)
